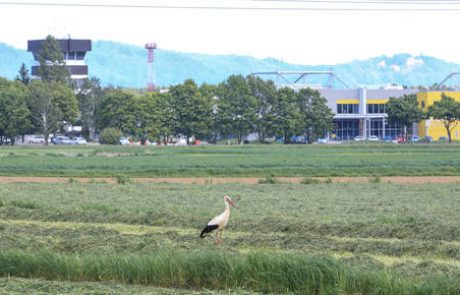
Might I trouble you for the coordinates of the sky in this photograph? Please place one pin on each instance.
(307, 32)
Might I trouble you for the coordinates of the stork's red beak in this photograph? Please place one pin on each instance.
(233, 204)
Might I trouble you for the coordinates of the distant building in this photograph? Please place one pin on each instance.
(362, 112)
(74, 51)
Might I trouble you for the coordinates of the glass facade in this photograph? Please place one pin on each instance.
(375, 127)
(376, 108)
(346, 129)
(347, 108)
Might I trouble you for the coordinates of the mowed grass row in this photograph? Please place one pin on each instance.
(378, 210)
(327, 238)
(21, 286)
(226, 161)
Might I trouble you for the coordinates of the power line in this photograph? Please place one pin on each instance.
(381, 2)
(209, 7)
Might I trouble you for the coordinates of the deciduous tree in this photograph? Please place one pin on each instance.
(89, 98)
(404, 111)
(265, 94)
(448, 111)
(289, 119)
(117, 110)
(316, 115)
(53, 106)
(236, 108)
(192, 110)
(14, 114)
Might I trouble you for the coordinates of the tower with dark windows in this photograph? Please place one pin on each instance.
(73, 50)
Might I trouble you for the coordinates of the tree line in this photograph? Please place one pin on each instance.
(234, 108)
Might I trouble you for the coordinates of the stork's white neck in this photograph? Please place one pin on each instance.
(227, 206)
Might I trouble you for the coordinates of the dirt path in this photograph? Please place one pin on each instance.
(247, 180)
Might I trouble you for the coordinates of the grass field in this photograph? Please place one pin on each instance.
(312, 238)
(246, 161)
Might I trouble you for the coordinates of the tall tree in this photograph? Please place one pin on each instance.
(404, 111)
(14, 114)
(316, 115)
(210, 92)
(192, 110)
(117, 110)
(89, 98)
(236, 108)
(448, 111)
(147, 116)
(53, 106)
(289, 120)
(23, 75)
(52, 64)
(167, 115)
(265, 93)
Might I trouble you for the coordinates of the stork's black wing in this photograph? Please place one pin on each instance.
(207, 229)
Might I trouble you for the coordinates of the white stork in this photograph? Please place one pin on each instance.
(219, 222)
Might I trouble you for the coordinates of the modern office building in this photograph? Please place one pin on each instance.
(74, 52)
(361, 112)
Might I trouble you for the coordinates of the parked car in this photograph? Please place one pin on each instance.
(78, 140)
(443, 138)
(124, 141)
(36, 139)
(387, 138)
(415, 138)
(373, 138)
(323, 140)
(359, 138)
(60, 139)
(181, 142)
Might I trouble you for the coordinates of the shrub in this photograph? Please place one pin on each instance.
(268, 180)
(110, 136)
(309, 181)
(375, 179)
(121, 179)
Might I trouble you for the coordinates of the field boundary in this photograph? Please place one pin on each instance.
(224, 180)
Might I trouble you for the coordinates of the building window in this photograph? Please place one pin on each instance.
(80, 55)
(376, 108)
(347, 108)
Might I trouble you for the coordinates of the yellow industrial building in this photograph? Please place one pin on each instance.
(362, 112)
(435, 128)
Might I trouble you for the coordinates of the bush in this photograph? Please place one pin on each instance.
(310, 181)
(110, 136)
(268, 180)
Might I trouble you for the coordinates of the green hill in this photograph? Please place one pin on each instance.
(119, 64)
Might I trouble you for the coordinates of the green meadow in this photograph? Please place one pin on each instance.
(232, 161)
(311, 238)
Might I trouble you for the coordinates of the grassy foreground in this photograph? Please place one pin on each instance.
(327, 238)
(250, 160)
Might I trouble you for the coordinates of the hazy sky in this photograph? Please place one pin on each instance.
(293, 31)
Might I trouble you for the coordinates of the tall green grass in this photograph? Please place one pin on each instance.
(223, 161)
(197, 270)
